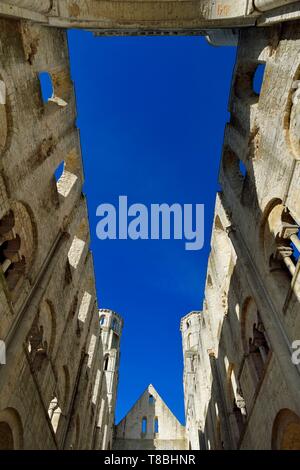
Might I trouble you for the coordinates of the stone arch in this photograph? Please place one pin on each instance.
(221, 244)
(248, 319)
(232, 170)
(58, 87)
(279, 236)
(236, 403)
(106, 362)
(41, 337)
(115, 324)
(244, 81)
(286, 431)
(11, 430)
(26, 228)
(48, 319)
(254, 338)
(18, 244)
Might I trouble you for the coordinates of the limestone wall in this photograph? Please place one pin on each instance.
(52, 384)
(150, 425)
(251, 311)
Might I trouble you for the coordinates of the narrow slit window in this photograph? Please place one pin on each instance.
(243, 169)
(151, 399)
(156, 427)
(144, 425)
(46, 86)
(59, 171)
(258, 78)
(106, 362)
(296, 248)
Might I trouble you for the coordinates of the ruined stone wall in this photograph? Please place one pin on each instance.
(51, 386)
(245, 378)
(112, 17)
(150, 425)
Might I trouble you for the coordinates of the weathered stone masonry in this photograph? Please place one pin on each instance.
(241, 387)
(58, 388)
(53, 383)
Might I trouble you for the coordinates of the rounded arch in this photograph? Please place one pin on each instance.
(6, 437)
(8, 111)
(249, 318)
(245, 81)
(286, 431)
(114, 324)
(221, 245)
(18, 247)
(25, 227)
(231, 168)
(11, 430)
(47, 318)
(106, 362)
(271, 226)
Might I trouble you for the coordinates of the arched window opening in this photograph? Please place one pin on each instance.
(242, 168)
(17, 244)
(286, 431)
(54, 86)
(115, 325)
(59, 171)
(281, 244)
(188, 324)
(258, 78)
(248, 81)
(102, 320)
(151, 400)
(106, 363)
(66, 179)
(295, 245)
(234, 170)
(255, 341)
(6, 437)
(156, 427)
(36, 345)
(144, 425)
(12, 261)
(258, 349)
(46, 85)
(115, 341)
(236, 401)
(54, 413)
(7, 223)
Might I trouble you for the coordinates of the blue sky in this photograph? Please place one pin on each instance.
(151, 114)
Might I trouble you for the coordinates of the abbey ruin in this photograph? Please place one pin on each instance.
(58, 386)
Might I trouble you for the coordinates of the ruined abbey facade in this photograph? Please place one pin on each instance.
(58, 386)
(242, 389)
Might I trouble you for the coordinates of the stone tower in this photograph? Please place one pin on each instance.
(111, 325)
(190, 329)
